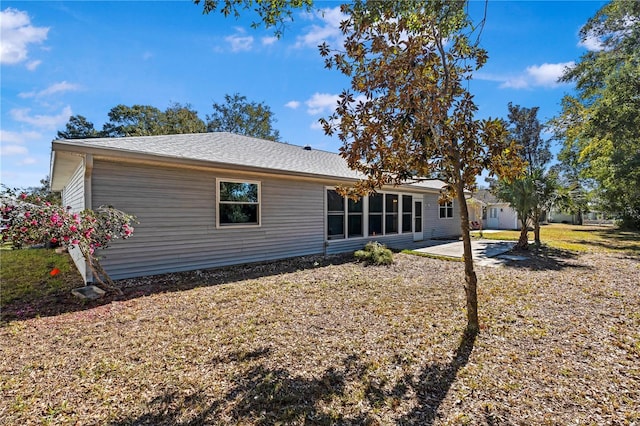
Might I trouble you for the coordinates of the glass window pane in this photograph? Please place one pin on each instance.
(239, 191)
(355, 225)
(355, 206)
(391, 224)
(335, 201)
(406, 222)
(335, 227)
(406, 203)
(375, 224)
(391, 201)
(238, 213)
(375, 203)
(418, 225)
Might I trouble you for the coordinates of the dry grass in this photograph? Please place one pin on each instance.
(330, 341)
(579, 238)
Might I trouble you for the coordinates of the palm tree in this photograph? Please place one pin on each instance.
(520, 194)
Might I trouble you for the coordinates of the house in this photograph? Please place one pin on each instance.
(496, 214)
(215, 199)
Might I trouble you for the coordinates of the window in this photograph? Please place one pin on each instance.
(391, 213)
(238, 203)
(406, 213)
(371, 216)
(375, 214)
(355, 223)
(446, 210)
(335, 215)
(493, 212)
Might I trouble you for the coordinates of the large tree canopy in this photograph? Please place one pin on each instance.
(137, 120)
(180, 118)
(237, 115)
(273, 13)
(409, 113)
(78, 127)
(600, 126)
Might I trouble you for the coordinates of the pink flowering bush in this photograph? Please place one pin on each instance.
(31, 221)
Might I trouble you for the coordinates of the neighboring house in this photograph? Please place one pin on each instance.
(214, 199)
(496, 214)
(558, 216)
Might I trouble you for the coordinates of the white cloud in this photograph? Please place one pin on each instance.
(591, 43)
(7, 150)
(27, 161)
(595, 43)
(545, 75)
(9, 137)
(32, 65)
(292, 104)
(55, 88)
(51, 122)
(321, 102)
(239, 41)
(17, 34)
(328, 30)
(519, 82)
(316, 125)
(268, 41)
(147, 55)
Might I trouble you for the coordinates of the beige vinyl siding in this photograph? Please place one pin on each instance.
(176, 211)
(398, 241)
(434, 227)
(73, 196)
(73, 192)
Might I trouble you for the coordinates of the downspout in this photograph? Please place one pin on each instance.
(88, 171)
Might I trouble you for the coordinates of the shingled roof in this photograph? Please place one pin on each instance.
(225, 149)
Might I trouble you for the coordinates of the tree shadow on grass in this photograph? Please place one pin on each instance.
(619, 244)
(261, 395)
(544, 259)
(434, 383)
(613, 239)
(62, 301)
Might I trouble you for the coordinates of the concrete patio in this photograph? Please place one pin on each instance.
(485, 252)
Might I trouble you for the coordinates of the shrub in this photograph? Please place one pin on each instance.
(375, 253)
(26, 223)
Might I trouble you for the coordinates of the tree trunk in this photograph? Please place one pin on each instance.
(99, 273)
(471, 280)
(523, 241)
(536, 228)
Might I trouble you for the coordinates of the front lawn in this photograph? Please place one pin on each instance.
(331, 341)
(29, 275)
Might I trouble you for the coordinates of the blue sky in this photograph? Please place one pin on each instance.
(66, 58)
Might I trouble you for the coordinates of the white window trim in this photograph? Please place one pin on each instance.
(237, 226)
(446, 206)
